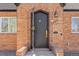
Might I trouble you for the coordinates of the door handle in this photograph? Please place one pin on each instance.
(46, 33)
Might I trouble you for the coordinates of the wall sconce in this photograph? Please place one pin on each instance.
(55, 14)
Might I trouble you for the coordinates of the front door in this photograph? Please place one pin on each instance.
(40, 33)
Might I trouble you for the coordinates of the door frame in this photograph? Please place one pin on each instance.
(43, 11)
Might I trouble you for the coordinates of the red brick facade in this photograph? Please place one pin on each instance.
(8, 40)
(65, 40)
(71, 39)
(24, 23)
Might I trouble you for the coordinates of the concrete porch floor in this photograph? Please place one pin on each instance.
(39, 52)
(7, 53)
(46, 52)
(73, 53)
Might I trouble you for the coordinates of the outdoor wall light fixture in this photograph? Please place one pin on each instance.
(55, 14)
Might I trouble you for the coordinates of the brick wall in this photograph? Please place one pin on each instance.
(71, 39)
(8, 40)
(62, 24)
(24, 23)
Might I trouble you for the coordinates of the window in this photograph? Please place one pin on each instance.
(8, 24)
(75, 24)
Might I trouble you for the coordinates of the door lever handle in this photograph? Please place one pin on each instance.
(46, 33)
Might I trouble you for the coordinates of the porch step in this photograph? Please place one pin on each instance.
(40, 52)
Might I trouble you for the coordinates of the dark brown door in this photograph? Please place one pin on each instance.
(40, 23)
